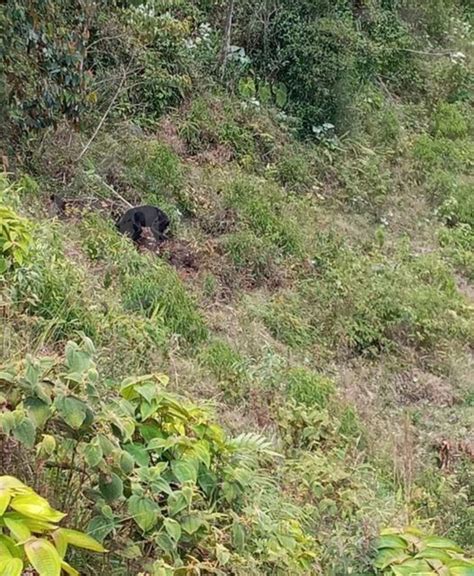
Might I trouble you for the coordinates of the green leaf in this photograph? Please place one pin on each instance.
(173, 528)
(387, 556)
(164, 542)
(18, 529)
(110, 486)
(191, 523)
(176, 503)
(144, 512)
(100, 527)
(434, 553)
(35, 507)
(72, 410)
(93, 454)
(264, 93)
(247, 88)
(461, 571)
(43, 556)
(238, 536)
(38, 411)
(391, 541)
(438, 542)
(11, 567)
(281, 95)
(25, 433)
(139, 453)
(80, 540)
(184, 470)
(127, 462)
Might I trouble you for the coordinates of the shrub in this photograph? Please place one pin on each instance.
(449, 122)
(413, 552)
(309, 388)
(164, 478)
(154, 290)
(25, 515)
(251, 253)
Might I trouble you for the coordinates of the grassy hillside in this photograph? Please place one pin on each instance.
(291, 371)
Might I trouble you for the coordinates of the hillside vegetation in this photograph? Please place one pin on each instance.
(283, 386)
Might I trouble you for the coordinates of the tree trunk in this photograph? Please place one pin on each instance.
(227, 35)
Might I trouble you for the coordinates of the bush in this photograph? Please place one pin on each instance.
(163, 479)
(154, 290)
(309, 388)
(26, 514)
(411, 552)
(449, 121)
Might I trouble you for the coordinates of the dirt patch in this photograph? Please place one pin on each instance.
(416, 387)
(168, 133)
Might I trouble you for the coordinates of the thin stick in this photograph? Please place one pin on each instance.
(102, 120)
(114, 192)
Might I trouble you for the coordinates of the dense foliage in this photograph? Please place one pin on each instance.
(290, 370)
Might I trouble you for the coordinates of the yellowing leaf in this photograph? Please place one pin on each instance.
(18, 529)
(80, 540)
(10, 482)
(36, 507)
(69, 569)
(5, 497)
(43, 557)
(11, 567)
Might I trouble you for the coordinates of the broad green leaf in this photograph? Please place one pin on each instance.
(37, 410)
(11, 567)
(25, 432)
(100, 527)
(391, 541)
(238, 536)
(18, 529)
(438, 542)
(93, 454)
(143, 511)
(281, 95)
(72, 410)
(461, 571)
(80, 540)
(191, 523)
(176, 503)
(139, 453)
(434, 553)
(77, 360)
(164, 541)
(127, 462)
(43, 556)
(149, 391)
(264, 93)
(110, 486)
(173, 528)
(35, 507)
(202, 452)
(184, 470)
(387, 556)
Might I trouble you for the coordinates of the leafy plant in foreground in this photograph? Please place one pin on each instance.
(159, 477)
(29, 535)
(412, 552)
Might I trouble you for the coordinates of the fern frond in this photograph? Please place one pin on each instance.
(251, 442)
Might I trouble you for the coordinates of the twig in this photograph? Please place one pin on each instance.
(102, 120)
(114, 192)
